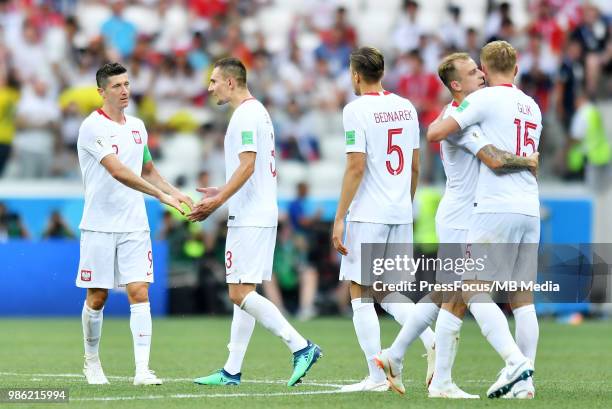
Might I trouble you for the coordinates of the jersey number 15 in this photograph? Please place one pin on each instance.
(526, 139)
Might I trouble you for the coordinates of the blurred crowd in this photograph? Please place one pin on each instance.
(51, 49)
(297, 59)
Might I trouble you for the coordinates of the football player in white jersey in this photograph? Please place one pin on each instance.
(382, 147)
(250, 191)
(460, 154)
(506, 222)
(115, 240)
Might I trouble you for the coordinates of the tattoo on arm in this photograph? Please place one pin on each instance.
(508, 161)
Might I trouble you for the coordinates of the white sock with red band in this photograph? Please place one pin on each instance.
(92, 329)
(142, 330)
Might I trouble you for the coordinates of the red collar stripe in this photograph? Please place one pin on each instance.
(376, 94)
(455, 104)
(101, 112)
(506, 85)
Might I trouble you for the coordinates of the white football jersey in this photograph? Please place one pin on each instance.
(385, 127)
(512, 121)
(250, 130)
(458, 153)
(110, 206)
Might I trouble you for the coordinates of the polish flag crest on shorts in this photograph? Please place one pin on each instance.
(136, 136)
(85, 275)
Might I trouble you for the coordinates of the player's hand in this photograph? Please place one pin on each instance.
(209, 191)
(184, 199)
(171, 201)
(535, 163)
(203, 209)
(337, 233)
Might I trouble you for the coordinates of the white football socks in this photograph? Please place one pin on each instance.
(422, 316)
(142, 330)
(527, 330)
(494, 326)
(271, 318)
(243, 324)
(447, 338)
(92, 330)
(367, 329)
(400, 307)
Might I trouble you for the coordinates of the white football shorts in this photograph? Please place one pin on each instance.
(357, 233)
(249, 254)
(110, 260)
(507, 243)
(451, 247)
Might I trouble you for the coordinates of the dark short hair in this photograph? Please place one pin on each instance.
(369, 63)
(108, 70)
(234, 68)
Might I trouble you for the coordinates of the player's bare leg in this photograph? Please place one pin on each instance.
(142, 331)
(91, 318)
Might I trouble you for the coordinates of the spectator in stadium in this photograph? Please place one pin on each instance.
(9, 97)
(11, 226)
(537, 67)
(495, 18)
(293, 275)
(296, 139)
(547, 26)
(341, 23)
(452, 32)
(407, 30)
(37, 130)
(57, 228)
(119, 33)
(335, 50)
(588, 145)
(570, 78)
(29, 54)
(422, 89)
(594, 36)
(473, 44)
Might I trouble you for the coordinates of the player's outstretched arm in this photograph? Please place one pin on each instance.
(440, 130)
(151, 175)
(355, 168)
(210, 203)
(125, 175)
(505, 162)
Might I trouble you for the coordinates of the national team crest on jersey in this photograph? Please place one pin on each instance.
(136, 136)
(85, 275)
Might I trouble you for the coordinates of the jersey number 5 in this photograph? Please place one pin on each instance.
(394, 148)
(526, 140)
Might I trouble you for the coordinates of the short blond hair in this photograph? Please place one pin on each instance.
(447, 70)
(498, 56)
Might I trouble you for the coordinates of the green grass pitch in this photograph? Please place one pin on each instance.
(573, 370)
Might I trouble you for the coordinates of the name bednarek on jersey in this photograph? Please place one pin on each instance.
(250, 130)
(547, 286)
(514, 126)
(110, 206)
(385, 127)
